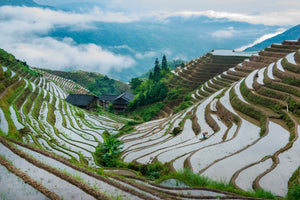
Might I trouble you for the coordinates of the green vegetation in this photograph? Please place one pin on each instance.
(294, 192)
(171, 64)
(150, 91)
(108, 153)
(196, 180)
(8, 59)
(97, 83)
(249, 110)
(176, 131)
(294, 186)
(153, 170)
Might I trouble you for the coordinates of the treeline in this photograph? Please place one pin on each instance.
(171, 64)
(153, 89)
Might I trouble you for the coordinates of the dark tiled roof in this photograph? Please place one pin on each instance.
(123, 98)
(109, 98)
(126, 95)
(80, 99)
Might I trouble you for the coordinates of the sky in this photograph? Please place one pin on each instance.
(154, 6)
(24, 30)
(269, 12)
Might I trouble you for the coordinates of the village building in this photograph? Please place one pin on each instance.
(83, 100)
(119, 102)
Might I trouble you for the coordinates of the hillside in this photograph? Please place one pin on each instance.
(47, 146)
(250, 114)
(184, 80)
(250, 111)
(97, 83)
(291, 34)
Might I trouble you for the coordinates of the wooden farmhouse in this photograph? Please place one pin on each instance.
(119, 102)
(83, 100)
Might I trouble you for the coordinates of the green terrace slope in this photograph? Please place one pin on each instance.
(184, 80)
(250, 116)
(47, 145)
(97, 83)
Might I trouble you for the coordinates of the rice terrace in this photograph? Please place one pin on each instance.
(223, 125)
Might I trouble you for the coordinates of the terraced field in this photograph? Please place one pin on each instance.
(250, 113)
(47, 145)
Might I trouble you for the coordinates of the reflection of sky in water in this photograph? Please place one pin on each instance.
(51, 182)
(4, 68)
(15, 188)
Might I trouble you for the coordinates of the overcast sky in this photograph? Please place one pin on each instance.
(268, 12)
(24, 30)
(245, 6)
(140, 6)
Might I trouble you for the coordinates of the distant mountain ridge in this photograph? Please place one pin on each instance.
(291, 34)
(143, 40)
(19, 3)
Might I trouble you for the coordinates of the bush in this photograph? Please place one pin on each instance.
(183, 105)
(176, 131)
(294, 192)
(108, 153)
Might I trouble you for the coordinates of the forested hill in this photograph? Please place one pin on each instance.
(95, 82)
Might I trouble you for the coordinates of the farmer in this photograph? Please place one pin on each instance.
(204, 134)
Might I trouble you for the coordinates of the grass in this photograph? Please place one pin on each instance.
(5, 103)
(196, 180)
(38, 105)
(250, 111)
(115, 196)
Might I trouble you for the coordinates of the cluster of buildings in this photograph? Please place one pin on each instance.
(86, 101)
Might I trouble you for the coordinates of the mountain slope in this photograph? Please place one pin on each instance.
(291, 34)
(177, 38)
(250, 126)
(54, 142)
(29, 3)
(97, 83)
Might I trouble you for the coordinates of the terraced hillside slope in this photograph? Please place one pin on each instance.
(97, 83)
(47, 145)
(251, 115)
(195, 73)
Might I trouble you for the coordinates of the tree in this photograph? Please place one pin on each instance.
(156, 74)
(135, 83)
(151, 76)
(164, 63)
(182, 65)
(109, 152)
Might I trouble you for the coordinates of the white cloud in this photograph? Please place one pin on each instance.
(286, 17)
(149, 54)
(262, 38)
(226, 33)
(22, 31)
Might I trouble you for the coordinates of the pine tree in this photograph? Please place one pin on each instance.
(182, 65)
(156, 73)
(164, 63)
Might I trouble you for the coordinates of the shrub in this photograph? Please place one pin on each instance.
(183, 105)
(176, 131)
(294, 192)
(108, 153)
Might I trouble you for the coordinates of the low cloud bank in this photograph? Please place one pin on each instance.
(24, 33)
